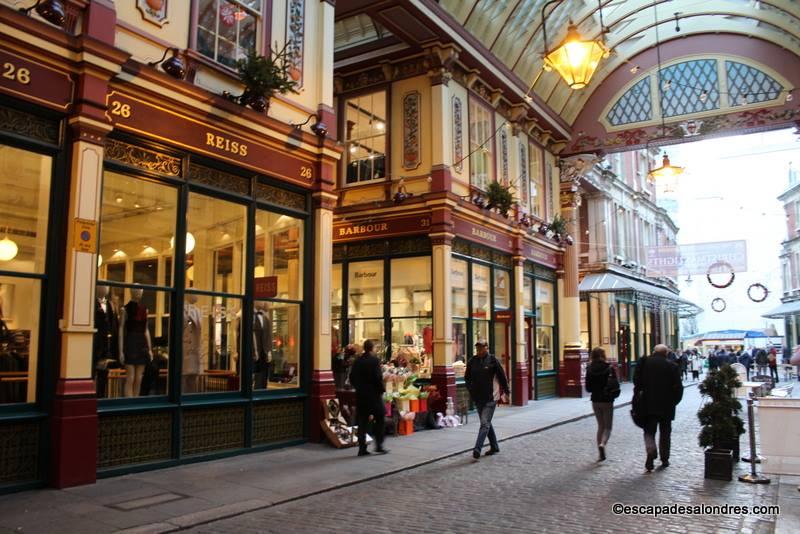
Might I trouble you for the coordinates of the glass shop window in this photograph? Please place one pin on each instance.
(228, 29)
(366, 124)
(537, 181)
(215, 263)
(130, 350)
(459, 278)
(365, 304)
(24, 217)
(278, 290)
(336, 309)
(545, 324)
(502, 289)
(412, 314)
(481, 129)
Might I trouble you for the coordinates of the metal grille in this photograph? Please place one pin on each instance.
(142, 158)
(748, 85)
(19, 452)
(134, 439)
(29, 125)
(219, 179)
(212, 429)
(633, 106)
(280, 197)
(277, 421)
(546, 386)
(684, 83)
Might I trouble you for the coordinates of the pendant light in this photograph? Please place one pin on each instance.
(666, 171)
(8, 248)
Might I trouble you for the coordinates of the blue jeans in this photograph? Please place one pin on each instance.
(485, 413)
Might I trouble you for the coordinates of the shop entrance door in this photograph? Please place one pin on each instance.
(502, 342)
(624, 340)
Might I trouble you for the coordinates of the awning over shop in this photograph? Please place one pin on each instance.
(787, 308)
(653, 296)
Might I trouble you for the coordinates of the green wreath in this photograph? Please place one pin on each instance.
(720, 264)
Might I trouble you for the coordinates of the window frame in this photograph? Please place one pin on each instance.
(387, 133)
(490, 142)
(263, 29)
(541, 197)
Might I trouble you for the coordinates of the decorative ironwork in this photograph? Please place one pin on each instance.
(19, 452)
(212, 429)
(461, 246)
(529, 268)
(748, 85)
(544, 273)
(133, 439)
(504, 260)
(366, 249)
(634, 105)
(411, 141)
(504, 156)
(411, 245)
(142, 158)
(280, 197)
(481, 253)
(29, 125)
(339, 252)
(680, 82)
(295, 33)
(219, 179)
(277, 421)
(458, 134)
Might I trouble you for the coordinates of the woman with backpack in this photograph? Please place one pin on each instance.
(602, 383)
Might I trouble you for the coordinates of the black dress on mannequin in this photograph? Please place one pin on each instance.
(136, 348)
(105, 346)
(262, 344)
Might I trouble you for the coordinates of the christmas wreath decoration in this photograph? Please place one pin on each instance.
(764, 292)
(720, 264)
(718, 305)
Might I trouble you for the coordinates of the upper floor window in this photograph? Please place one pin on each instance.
(228, 29)
(538, 193)
(366, 124)
(481, 149)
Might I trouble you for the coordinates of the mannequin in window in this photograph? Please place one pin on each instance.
(136, 349)
(262, 346)
(192, 344)
(105, 346)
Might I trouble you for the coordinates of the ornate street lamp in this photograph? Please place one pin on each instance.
(575, 59)
(666, 171)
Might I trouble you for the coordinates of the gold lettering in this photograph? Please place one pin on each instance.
(209, 139)
(242, 150)
(235, 147)
(225, 144)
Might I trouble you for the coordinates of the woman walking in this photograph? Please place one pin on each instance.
(602, 383)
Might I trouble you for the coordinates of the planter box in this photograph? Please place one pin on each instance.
(414, 405)
(719, 464)
(731, 445)
(406, 427)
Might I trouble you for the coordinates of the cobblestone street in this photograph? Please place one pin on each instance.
(544, 482)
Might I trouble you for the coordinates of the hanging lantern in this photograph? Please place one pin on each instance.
(666, 171)
(189, 242)
(576, 59)
(8, 249)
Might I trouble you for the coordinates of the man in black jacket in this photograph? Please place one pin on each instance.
(367, 379)
(660, 381)
(481, 371)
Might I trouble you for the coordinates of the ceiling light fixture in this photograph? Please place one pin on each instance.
(8, 248)
(575, 59)
(173, 66)
(189, 242)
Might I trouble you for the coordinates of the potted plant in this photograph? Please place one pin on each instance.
(720, 422)
(499, 197)
(263, 76)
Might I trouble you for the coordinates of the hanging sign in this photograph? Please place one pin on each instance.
(483, 235)
(31, 80)
(538, 254)
(265, 287)
(141, 117)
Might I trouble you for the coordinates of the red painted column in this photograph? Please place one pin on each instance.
(73, 427)
(322, 389)
(522, 384)
(572, 372)
(444, 378)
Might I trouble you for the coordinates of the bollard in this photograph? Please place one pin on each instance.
(752, 477)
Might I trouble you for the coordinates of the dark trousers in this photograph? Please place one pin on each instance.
(378, 427)
(485, 414)
(261, 374)
(773, 373)
(664, 425)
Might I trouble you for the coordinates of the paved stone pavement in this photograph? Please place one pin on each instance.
(543, 482)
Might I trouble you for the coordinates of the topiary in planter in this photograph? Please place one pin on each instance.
(263, 76)
(719, 417)
(500, 198)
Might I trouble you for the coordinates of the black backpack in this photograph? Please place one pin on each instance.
(611, 389)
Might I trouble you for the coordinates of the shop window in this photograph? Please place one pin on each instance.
(481, 278)
(538, 193)
(412, 313)
(545, 323)
(130, 352)
(24, 207)
(527, 295)
(366, 126)
(502, 289)
(585, 341)
(336, 309)
(278, 288)
(459, 282)
(228, 29)
(481, 149)
(365, 304)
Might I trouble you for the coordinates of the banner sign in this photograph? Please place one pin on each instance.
(697, 258)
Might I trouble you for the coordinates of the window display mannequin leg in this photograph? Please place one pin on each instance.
(133, 379)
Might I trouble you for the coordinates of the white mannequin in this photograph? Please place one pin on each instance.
(192, 344)
(133, 373)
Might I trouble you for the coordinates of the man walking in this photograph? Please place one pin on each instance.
(367, 379)
(482, 370)
(761, 361)
(659, 380)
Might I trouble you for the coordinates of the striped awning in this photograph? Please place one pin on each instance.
(657, 296)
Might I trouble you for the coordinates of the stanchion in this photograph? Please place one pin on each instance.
(752, 477)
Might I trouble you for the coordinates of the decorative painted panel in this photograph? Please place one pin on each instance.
(411, 141)
(683, 85)
(219, 179)
(28, 125)
(523, 185)
(748, 85)
(634, 105)
(280, 197)
(458, 134)
(295, 37)
(19, 452)
(504, 156)
(277, 421)
(212, 429)
(142, 158)
(133, 439)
